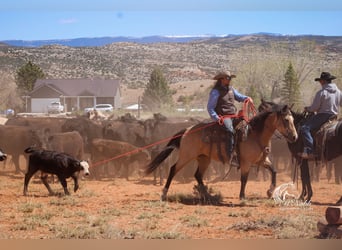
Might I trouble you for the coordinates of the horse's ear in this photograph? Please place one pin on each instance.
(285, 109)
(291, 105)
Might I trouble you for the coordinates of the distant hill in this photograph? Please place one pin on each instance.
(333, 42)
(259, 60)
(101, 41)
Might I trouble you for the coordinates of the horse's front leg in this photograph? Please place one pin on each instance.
(306, 182)
(243, 180)
(273, 180)
(303, 180)
(304, 192)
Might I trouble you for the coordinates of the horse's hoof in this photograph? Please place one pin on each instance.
(163, 197)
(269, 193)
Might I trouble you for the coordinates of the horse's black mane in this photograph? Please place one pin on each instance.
(298, 117)
(258, 122)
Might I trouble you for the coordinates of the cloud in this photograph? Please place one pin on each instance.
(68, 21)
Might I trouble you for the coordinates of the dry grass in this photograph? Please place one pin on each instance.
(120, 209)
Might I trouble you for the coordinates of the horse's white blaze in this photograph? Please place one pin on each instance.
(289, 131)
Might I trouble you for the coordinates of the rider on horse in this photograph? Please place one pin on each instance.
(221, 107)
(326, 106)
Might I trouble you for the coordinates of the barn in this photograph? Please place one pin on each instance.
(74, 94)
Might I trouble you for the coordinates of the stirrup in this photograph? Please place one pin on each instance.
(234, 161)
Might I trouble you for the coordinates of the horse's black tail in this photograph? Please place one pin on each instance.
(173, 143)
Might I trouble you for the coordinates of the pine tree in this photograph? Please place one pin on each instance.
(157, 94)
(27, 75)
(290, 92)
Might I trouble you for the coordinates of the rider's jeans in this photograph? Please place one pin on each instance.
(312, 124)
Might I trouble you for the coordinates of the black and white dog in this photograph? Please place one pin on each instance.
(52, 162)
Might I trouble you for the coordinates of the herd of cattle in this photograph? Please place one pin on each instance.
(113, 146)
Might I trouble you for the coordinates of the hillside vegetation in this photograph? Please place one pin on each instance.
(258, 60)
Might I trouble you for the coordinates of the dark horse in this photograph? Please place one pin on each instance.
(252, 150)
(327, 149)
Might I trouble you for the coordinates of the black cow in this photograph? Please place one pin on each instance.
(52, 162)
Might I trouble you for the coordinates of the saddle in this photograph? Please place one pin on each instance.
(217, 135)
(325, 132)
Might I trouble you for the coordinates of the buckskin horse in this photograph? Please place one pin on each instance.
(252, 150)
(328, 147)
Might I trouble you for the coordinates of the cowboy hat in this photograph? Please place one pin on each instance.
(326, 76)
(222, 75)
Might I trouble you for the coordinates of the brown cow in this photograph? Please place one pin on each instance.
(15, 139)
(88, 129)
(119, 154)
(54, 124)
(131, 131)
(160, 128)
(67, 142)
(98, 115)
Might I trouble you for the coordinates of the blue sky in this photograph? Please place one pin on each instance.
(62, 19)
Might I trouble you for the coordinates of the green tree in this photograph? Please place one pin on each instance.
(27, 75)
(290, 92)
(157, 94)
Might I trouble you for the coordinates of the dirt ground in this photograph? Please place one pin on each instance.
(115, 208)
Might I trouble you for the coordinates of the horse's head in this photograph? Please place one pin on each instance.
(266, 105)
(285, 124)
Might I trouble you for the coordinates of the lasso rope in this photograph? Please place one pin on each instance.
(247, 108)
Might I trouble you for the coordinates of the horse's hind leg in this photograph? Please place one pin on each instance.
(203, 163)
(168, 182)
(173, 171)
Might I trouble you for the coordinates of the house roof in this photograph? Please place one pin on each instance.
(80, 87)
